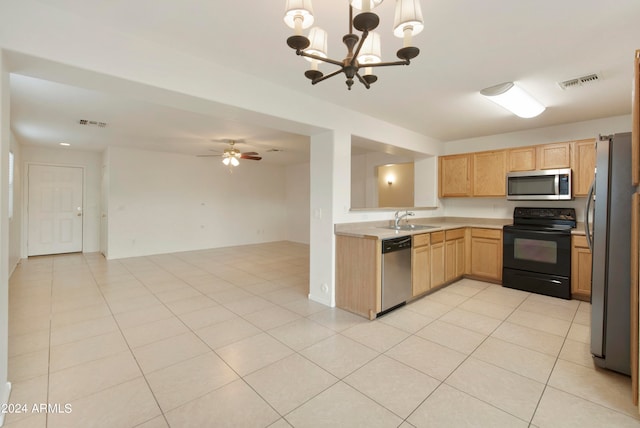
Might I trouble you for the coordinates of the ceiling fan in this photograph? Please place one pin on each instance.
(231, 155)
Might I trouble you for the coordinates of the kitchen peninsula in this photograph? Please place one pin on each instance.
(452, 248)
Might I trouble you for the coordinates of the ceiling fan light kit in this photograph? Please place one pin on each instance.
(362, 51)
(231, 156)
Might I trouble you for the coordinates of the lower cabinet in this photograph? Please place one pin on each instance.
(420, 264)
(580, 268)
(358, 275)
(486, 253)
(454, 257)
(438, 257)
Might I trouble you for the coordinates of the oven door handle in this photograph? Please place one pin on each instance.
(587, 211)
(533, 232)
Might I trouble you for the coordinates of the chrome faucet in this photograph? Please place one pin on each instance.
(399, 217)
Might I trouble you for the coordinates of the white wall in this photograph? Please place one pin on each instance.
(500, 207)
(15, 223)
(5, 138)
(91, 162)
(298, 199)
(163, 202)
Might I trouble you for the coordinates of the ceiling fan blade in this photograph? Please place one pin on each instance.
(251, 153)
(251, 157)
(207, 156)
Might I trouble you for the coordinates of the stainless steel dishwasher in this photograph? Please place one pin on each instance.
(396, 272)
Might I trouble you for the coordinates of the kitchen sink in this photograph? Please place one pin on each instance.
(410, 227)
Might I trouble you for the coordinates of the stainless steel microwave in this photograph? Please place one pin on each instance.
(542, 185)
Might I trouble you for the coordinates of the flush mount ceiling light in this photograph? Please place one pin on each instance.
(362, 51)
(515, 99)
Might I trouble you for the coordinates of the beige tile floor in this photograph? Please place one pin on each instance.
(227, 337)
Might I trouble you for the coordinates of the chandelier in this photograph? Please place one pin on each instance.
(362, 51)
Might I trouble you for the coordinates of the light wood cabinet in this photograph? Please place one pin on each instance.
(489, 172)
(420, 264)
(486, 253)
(522, 159)
(483, 174)
(554, 156)
(584, 165)
(438, 257)
(454, 254)
(454, 176)
(358, 275)
(580, 268)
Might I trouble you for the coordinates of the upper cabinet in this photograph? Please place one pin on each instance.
(584, 165)
(522, 159)
(546, 156)
(554, 156)
(454, 176)
(484, 173)
(489, 169)
(473, 174)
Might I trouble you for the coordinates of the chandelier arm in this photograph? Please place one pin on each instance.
(365, 33)
(350, 19)
(319, 58)
(364, 82)
(387, 64)
(326, 76)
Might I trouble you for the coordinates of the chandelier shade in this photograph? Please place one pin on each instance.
(365, 5)
(364, 50)
(317, 43)
(371, 50)
(299, 15)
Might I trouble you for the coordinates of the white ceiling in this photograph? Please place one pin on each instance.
(467, 45)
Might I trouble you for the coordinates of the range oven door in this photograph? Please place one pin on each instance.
(535, 250)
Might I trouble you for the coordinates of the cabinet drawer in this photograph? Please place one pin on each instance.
(420, 240)
(486, 233)
(454, 234)
(437, 237)
(580, 241)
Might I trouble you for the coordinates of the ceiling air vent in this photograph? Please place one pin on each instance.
(86, 122)
(579, 81)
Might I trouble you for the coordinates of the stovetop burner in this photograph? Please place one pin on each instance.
(545, 218)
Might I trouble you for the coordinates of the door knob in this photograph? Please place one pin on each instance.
(79, 214)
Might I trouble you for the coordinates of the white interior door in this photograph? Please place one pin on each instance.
(55, 210)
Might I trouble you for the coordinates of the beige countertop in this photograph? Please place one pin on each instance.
(380, 230)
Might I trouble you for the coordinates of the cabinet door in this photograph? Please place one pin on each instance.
(437, 259)
(460, 250)
(583, 166)
(450, 260)
(421, 275)
(523, 159)
(486, 253)
(489, 173)
(455, 176)
(554, 156)
(580, 268)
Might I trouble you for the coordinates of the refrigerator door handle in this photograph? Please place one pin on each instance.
(587, 226)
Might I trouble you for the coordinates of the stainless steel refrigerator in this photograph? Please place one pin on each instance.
(608, 235)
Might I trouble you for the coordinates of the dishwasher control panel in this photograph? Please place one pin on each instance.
(395, 244)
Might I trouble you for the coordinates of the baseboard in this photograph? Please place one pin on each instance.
(319, 300)
(4, 399)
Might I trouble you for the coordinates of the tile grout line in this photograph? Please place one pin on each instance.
(466, 358)
(130, 351)
(564, 340)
